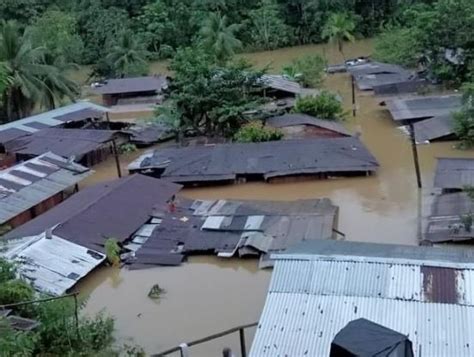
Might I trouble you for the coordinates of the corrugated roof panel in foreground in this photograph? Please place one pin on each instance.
(25, 185)
(314, 294)
(52, 265)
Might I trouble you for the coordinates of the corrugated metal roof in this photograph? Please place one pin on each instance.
(25, 185)
(454, 173)
(421, 107)
(439, 127)
(52, 118)
(132, 85)
(51, 265)
(224, 162)
(376, 74)
(304, 119)
(279, 82)
(313, 296)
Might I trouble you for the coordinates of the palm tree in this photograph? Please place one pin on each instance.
(30, 78)
(339, 28)
(218, 38)
(128, 56)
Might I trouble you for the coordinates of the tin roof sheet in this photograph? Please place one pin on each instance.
(77, 111)
(52, 265)
(287, 120)
(132, 85)
(439, 127)
(323, 285)
(454, 173)
(25, 185)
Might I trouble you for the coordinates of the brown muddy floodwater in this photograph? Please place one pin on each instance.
(208, 295)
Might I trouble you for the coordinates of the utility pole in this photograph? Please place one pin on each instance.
(415, 154)
(115, 150)
(353, 97)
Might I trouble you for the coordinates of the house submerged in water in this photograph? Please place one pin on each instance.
(268, 161)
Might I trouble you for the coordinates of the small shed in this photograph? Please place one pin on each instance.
(31, 188)
(453, 174)
(297, 126)
(410, 109)
(134, 90)
(278, 86)
(370, 75)
(364, 338)
(438, 128)
(87, 146)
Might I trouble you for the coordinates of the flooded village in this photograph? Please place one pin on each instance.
(313, 241)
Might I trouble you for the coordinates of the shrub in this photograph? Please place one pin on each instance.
(7, 271)
(326, 105)
(255, 132)
(112, 251)
(464, 119)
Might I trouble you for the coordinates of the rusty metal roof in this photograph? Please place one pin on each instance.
(132, 85)
(320, 286)
(25, 185)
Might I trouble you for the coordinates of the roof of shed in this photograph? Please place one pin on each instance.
(149, 134)
(374, 74)
(132, 85)
(270, 159)
(435, 128)
(420, 107)
(25, 185)
(74, 112)
(399, 88)
(116, 209)
(51, 265)
(280, 82)
(304, 119)
(63, 142)
(454, 173)
(323, 285)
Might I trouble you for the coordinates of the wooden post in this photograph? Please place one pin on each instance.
(243, 350)
(115, 150)
(415, 154)
(76, 314)
(353, 97)
(227, 352)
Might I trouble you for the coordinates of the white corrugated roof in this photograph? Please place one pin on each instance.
(53, 265)
(312, 297)
(25, 185)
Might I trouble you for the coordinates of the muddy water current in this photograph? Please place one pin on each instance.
(207, 295)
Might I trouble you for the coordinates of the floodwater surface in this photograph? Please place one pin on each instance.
(208, 295)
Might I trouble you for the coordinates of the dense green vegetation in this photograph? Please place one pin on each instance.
(58, 334)
(325, 105)
(255, 132)
(464, 119)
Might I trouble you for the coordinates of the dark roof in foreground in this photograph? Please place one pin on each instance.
(113, 209)
(454, 173)
(26, 185)
(287, 120)
(132, 85)
(225, 162)
(439, 127)
(70, 113)
(420, 107)
(422, 292)
(62, 142)
(231, 228)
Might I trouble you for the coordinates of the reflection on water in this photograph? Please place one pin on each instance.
(208, 295)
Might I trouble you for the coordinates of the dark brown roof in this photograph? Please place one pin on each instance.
(113, 209)
(224, 162)
(62, 142)
(287, 120)
(132, 85)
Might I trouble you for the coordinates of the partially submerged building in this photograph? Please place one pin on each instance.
(303, 126)
(278, 86)
(438, 128)
(73, 115)
(411, 109)
(149, 134)
(230, 163)
(318, 287)
(379, 76)
(85, 146)
(31, 188)
(229, 228)
(134, 90)
(454, 174)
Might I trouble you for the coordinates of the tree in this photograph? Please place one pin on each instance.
(218, 38)
(339, 28)
(398, 46)
(325, 105)
(464, 119)
(267, 28)
(34, 80)
(128, 56)
(308, 70)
